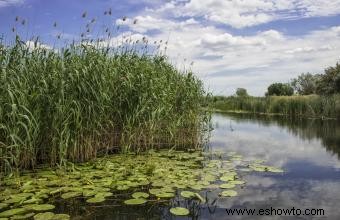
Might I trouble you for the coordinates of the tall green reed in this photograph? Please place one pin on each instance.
(66, 104)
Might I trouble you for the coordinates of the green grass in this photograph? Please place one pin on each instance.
(66, 105)
(313, 106)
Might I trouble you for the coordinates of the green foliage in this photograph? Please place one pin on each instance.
(305, 84)
(300, 106)
(322, 84)
(66, 105)
(329, 82)
(241, 92)
(280, 89)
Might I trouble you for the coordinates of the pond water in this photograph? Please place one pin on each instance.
(307, 150)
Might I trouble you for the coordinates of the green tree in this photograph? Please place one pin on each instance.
(329, 82)
(305, 84)
(241, 92)
(280, 89)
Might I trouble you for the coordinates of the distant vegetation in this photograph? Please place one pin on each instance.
(280, 89)
(67, 104)
(316, 96)
(321, 84)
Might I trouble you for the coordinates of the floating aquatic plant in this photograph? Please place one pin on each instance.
(102, 178)
(11, 212)
(187, 194)
(228, 193)
(227, 186)
(96, 199)
(179, 211)
(138, 201)
(138, 195)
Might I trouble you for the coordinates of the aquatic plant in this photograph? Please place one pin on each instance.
(179, 211)
(126, 179)
(312, 106)
(71, 103)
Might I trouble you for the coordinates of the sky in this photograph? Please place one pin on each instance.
(228, 44)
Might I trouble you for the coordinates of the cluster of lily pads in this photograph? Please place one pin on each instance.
(148, 177)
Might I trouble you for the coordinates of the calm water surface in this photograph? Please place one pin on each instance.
(308, 151)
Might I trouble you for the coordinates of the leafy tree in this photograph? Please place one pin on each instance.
(241, 92)
(329, 82)
(280, 89)
(305, 84)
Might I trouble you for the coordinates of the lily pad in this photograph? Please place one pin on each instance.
(33, 200)
(187, 194)
(96, 199)
(44, 216)
(155, 191)
(165, 195)
(26, 216)
(138, 201)
(227, 186)
(69, 195)
(179, 211)
(11, 212)
(237, 182)
(104, 194)
(43, 207)
(229, 193)
(14, 200)
(227, 178)
(137, 195)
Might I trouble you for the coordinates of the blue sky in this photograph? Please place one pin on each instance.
(234, 43)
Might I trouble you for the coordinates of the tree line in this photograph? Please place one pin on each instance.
(327, 83)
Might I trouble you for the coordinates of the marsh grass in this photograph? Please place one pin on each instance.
(312, 106)
(66, 104)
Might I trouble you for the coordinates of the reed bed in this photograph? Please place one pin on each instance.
(66, 105)
(312, 106)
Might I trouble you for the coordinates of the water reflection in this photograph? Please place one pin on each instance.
(309, 150)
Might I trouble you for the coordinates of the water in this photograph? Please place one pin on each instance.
(308, 151)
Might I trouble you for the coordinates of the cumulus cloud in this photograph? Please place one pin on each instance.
(228, 60)
(240, 13)
(5, 3)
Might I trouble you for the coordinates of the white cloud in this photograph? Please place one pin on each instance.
(37, 45)
(5, 3)
(224, 60)
(143, 24)
(241, 13)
